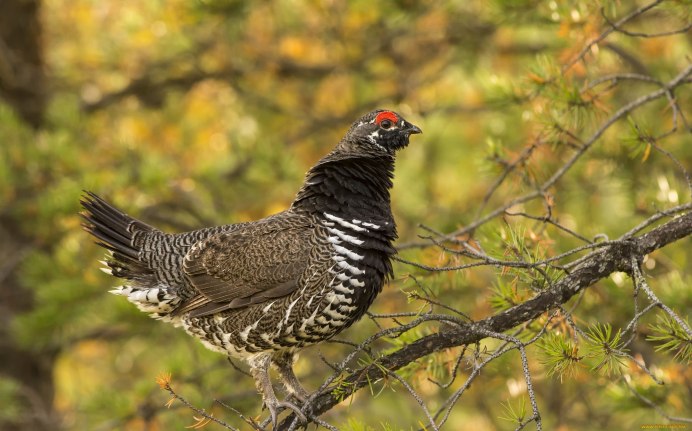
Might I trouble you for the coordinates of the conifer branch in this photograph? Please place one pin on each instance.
(617, 256)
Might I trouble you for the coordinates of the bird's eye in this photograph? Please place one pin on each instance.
(386, 124)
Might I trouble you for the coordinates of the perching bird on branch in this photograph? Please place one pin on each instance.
(262, 290)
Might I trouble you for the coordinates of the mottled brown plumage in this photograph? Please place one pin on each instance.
(262, 290)
(248, 265)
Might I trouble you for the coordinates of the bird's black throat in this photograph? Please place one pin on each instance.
(351, 187)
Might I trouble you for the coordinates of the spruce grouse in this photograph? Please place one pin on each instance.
(262, 290)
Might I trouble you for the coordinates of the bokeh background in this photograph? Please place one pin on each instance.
(193, 113)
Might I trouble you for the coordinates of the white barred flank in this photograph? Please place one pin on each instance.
(245, 333)
(374, 226)
(336, 298)
(356, 282)
(288, 311)
(342, 236)
(345, 265)
(343, 289)
(344, 223)
(348, 253)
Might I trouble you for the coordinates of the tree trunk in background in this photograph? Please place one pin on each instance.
(22, 75)
(32, 370)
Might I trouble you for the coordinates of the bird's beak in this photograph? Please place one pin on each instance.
(412, 129)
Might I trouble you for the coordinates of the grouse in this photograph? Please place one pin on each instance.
(262, 290)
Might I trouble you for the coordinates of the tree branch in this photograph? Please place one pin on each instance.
(614, 26)
(594, 267)
(540, 191)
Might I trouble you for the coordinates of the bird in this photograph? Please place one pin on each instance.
(260, 291)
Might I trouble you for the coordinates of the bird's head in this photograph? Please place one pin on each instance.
(378, 132)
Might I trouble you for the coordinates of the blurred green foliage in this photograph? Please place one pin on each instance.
(188, 114)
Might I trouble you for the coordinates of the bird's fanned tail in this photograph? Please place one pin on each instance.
(116, 232)
(124, 236)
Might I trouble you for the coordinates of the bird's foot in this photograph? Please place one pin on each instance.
(283, 362)
(275, 406)
(300, 396)
(259, 368)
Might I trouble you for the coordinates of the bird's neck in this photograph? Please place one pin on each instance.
(351, 186)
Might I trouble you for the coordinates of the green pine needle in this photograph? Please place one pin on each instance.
(672, 338)
(560, 355)
(606, 348)
(514, 414)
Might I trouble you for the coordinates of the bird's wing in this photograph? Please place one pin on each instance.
(255, 263)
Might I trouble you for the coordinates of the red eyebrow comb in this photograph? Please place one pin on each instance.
(386, 115)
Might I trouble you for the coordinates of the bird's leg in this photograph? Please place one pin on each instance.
(259, 368)
(283, 362)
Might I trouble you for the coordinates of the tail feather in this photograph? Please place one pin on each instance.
(117, 232)
(124, 237)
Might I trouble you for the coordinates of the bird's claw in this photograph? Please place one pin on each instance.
(301, 397)
(276, 406)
